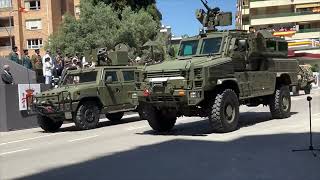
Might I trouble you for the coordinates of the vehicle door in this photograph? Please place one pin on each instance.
(112, 90)
(128, 85)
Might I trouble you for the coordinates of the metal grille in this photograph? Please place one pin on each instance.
(198, 84)
(164, 74)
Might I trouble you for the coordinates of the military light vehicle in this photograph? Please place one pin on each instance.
(84, 94)
(305, 80)
(215, 73)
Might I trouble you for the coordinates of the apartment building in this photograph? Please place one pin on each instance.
(296, 19)
(27, 24)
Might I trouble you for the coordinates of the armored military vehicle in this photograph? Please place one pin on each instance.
(305, 80)
(84, 94)
(215, 73)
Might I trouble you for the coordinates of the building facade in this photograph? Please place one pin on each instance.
(301, 18)
(27, 24)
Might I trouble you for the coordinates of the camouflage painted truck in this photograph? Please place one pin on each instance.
(84, 94)
(305, 80)
(215, 73)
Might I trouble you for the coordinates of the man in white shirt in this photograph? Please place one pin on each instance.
(47, 55)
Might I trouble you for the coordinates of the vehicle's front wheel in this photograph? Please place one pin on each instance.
(307, 89)
(115, 116)
(160, 120)
(224, 112)
(87, 116)
(280, 103)
(49, 125)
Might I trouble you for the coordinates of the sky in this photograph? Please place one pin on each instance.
(180, 14)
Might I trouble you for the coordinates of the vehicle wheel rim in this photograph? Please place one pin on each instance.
(89, 115)
(285, 103)
(230, 112)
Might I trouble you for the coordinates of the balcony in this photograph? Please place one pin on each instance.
(313, 33)
(284, 18)
(270, 3)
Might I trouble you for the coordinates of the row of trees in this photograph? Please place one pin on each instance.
(105, 23)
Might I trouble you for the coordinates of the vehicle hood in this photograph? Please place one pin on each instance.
(67, 89)
(182, 63)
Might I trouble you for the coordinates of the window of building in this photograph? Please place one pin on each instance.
(5, 3)
(34, 43)
(32, 4)
(33, 24)
(283, 46)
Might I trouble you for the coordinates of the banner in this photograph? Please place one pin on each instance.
(317, 78)
(26, 91)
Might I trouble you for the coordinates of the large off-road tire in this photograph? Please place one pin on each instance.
(280, 103)
(115, 116)
(307, 89)
(295, 90)
(87, 115)
(141, 112)
(49, 125)
(160, 121)
(224, 112)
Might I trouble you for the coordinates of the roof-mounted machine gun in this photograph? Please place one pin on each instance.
(212, 18)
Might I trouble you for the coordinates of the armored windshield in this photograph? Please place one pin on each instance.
(77, 78)
(188, 48)
(211, 45)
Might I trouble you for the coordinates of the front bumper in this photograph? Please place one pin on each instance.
(174, 99)
(58, 107)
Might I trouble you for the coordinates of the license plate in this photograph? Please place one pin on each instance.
(68, 115)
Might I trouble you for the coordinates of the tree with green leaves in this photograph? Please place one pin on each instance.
(101, 24)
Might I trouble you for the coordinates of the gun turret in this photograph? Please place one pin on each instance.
(212, 18)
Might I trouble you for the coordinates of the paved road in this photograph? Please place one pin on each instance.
(260, 149)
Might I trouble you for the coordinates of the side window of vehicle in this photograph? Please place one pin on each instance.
(113, 74)
(128, 75)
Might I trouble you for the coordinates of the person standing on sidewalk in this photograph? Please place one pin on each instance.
(13, 56)
(37, 65)
(48, 67)
(26, 61)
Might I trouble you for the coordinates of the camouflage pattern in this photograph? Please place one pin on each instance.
(305, 78)
(214, 74)
(95, 91)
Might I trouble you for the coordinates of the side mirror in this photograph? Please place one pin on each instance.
(108, 80)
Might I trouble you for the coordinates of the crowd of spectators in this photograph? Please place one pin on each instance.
(49, 66)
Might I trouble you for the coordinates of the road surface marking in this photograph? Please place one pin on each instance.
(11, 152)
(28, 139)
(135, 128)
(318, 114)
(80, 139)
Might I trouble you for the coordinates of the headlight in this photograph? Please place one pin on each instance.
(134, 96)
(195, 94)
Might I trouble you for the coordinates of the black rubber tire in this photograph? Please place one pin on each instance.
(141, 113)
(277, 108)
(115, 116)
(218, 112)
(49, 125)
(87, 116)
(295, 90)
(158, 120)
(307, 89)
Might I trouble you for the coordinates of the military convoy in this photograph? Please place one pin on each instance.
(305, 80)
(215, 73)
(84, 94)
